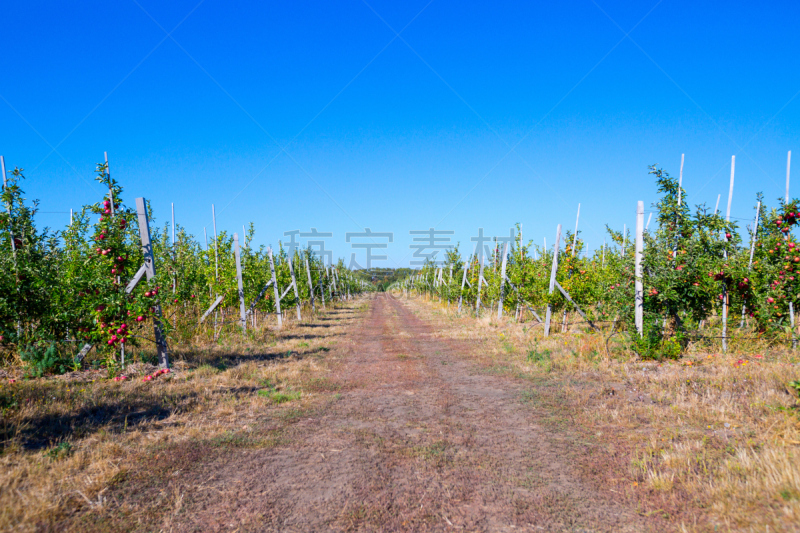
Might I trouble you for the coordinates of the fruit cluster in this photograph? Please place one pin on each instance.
(154, 375)
(785, 222)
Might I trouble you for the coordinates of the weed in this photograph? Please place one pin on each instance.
(654, 345)
(537, 357)
(59, 452)
(529, 396)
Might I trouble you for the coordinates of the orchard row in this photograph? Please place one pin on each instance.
(696, 266)
(78, 286)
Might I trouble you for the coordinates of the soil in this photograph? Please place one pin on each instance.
(414, 437)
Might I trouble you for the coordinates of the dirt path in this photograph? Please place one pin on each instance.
(418, 439)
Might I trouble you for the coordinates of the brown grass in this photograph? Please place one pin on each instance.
(712, 438)
(67, 440)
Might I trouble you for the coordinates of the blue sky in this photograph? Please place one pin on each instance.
(295, 115)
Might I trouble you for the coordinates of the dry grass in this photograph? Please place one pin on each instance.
(712, 439)
(68, 439)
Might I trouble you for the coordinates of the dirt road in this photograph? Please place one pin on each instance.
(417, 439)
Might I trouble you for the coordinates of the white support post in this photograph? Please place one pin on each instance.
(624, 233)
(321, 284)
(680, 184)
(553, 271)
(788, 166)
(604, 252)
(174, 279)
(791, 304)
(503, 280)
(310, 286)
(150, 270)
(8, 210)
(332, 285)
(110, 188)
(725, 288)
(572, 253)
(639, 295)
(275, 288)
(463, 280)
(680, 203)
(480, 283)
(730, 191)
(575, 236)
(237, 256)
(216, 248)
(216, 262)
(449, 286)
(752, 251)
(294, 284)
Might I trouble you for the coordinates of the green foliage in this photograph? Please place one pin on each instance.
(655, 345)
(41, 360)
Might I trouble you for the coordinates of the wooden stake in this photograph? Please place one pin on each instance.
(150, 270)
(639, 294)
(553, 271)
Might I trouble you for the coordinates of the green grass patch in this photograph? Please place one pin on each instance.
(279, 396)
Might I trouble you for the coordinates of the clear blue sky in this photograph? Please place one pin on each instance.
(295, 115)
